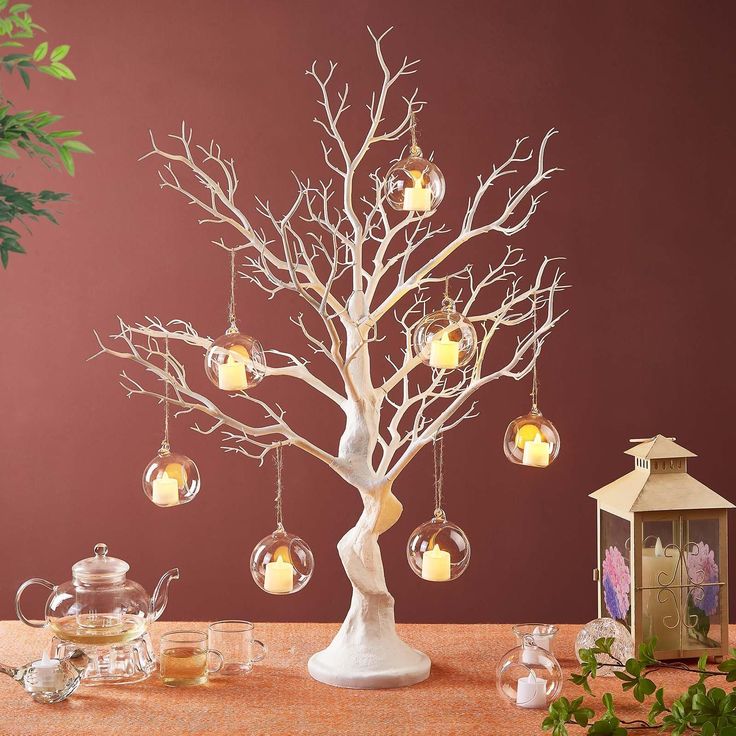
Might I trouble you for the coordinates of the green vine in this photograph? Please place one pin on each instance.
(699, 710)
(30, 133)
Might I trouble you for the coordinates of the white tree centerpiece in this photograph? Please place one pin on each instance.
(335, 258)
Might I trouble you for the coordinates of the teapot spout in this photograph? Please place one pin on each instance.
(160, 596)
(15, 672)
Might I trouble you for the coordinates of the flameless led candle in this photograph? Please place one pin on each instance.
(165, 491)
(444, 353)
(531, 692)
(48, 676)
(231, 375)
(279, 576)
(658, 568)
(526, 433)
(536, 453)
(436, 564)
(417, 197)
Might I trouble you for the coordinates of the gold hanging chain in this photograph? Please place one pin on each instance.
(279, 463)
(438, 450)
(165, 446)
(448, 303)
(535, 380)
(415, 151)
(231, 306)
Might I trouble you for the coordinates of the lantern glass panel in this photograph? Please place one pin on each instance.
(615, 573)
(661, 598)
(702, 596)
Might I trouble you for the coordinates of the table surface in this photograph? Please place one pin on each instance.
(278, 698)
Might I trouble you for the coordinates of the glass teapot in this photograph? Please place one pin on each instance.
(99, 606)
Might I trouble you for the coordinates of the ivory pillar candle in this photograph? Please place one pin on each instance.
(279, 576)
(658, 566)
(165, 491)
(536, 453)
(531, 692)
(47, 675)
(231, 375)
(417, 197)
(444, 353)
(436, 565)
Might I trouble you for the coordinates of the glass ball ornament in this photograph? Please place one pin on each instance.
(235, 362)
(529, 676)
(171, 479)
(622, 647)
(532, 440)
(281, 563)
(415, 185)
(438, 550)
(445, 339)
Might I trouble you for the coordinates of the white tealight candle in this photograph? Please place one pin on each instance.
(444, 353)
(436, 565)
(531, 692)
(231, 375)
(165, 491)
(536, 453)
(417, 197)
(47, 674)
(529, 655)
(279, 576)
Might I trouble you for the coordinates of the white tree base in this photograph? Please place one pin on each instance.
(370, 670)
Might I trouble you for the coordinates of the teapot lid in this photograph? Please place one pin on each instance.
(100, 568)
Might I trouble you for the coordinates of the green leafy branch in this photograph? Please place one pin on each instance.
(699, 710)
(30, 133)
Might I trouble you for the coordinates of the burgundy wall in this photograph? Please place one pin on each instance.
(642, 94)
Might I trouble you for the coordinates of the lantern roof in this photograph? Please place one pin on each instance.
(645, 489)
(659, 448)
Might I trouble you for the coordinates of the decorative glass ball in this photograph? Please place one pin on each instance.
(281, 563)
(529, 676)
(235, 362)
(532, 440)
(622, 647)
(445, 339)
(171, 479)
(438, 550)
(415, 185)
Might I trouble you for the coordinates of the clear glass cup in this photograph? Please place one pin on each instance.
(184, 658)
(240, 650)
(542, 635)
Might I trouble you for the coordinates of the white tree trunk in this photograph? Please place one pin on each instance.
(367, 652)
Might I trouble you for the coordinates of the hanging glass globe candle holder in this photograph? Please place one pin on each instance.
(445, 339)
(529, 676)
(415, 184)
(170, 479)
(532, 439)
(235, 361)
(438, 550)
(281, 563)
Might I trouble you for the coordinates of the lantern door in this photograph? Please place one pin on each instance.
(680, 576)
(614, 567)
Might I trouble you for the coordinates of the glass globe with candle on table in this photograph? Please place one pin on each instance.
(531, 440)
(281, 563)
(235, 361)
(529, 676)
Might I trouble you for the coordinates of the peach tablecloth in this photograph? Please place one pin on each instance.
(279, 699)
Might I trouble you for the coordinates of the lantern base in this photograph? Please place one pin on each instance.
(362, 669)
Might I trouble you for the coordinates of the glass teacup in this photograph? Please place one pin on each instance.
(184, 658)
(239, 649)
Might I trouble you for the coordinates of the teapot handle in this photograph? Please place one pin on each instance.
(28, 583)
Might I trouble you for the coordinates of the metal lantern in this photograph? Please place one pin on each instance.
(663, 554)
